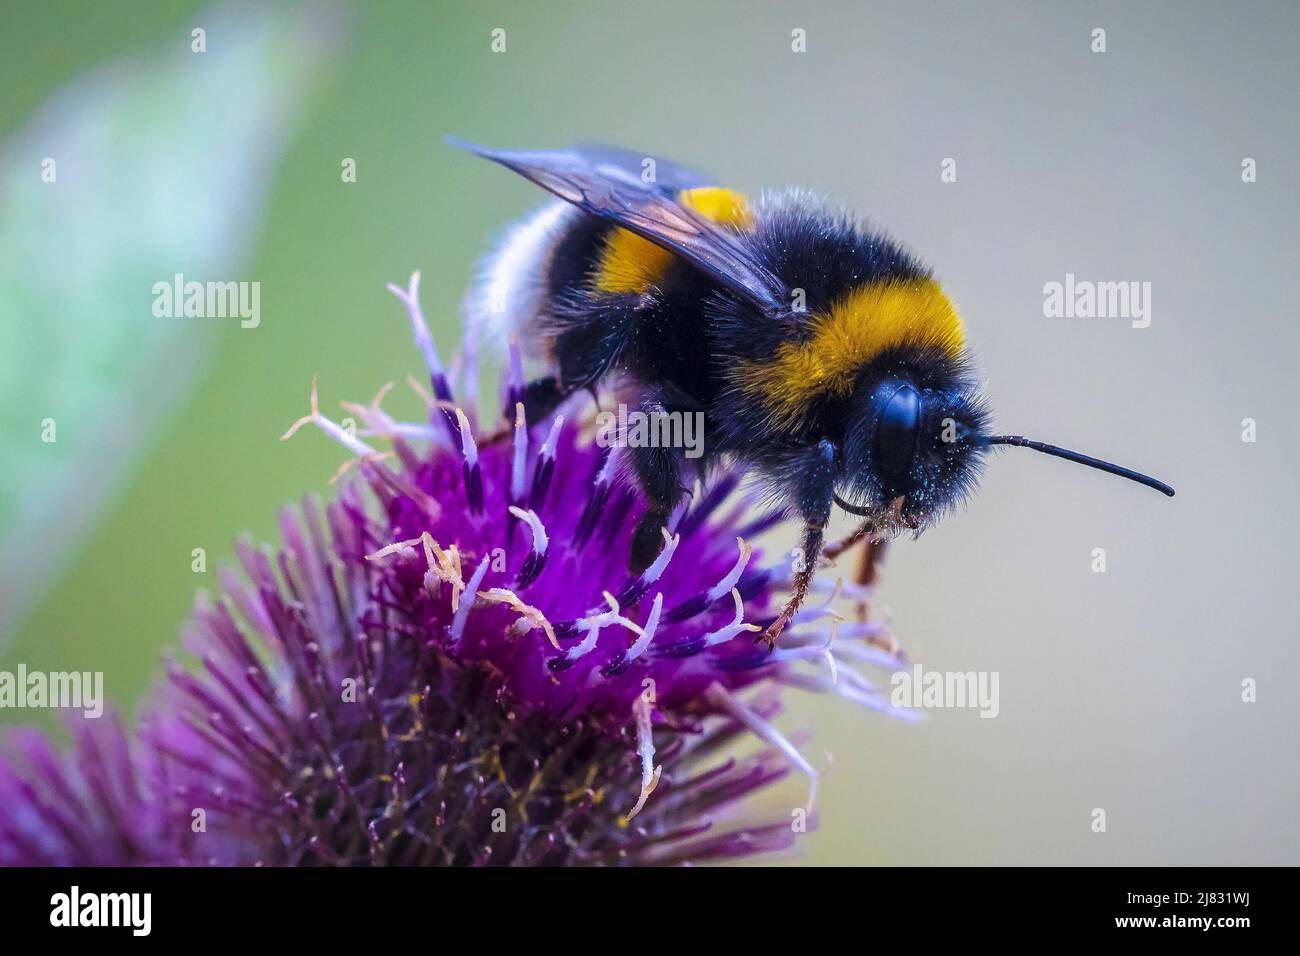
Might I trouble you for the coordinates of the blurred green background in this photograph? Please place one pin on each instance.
(1119, 691)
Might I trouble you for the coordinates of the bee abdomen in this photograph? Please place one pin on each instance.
(519, 280)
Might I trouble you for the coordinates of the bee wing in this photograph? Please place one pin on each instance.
(668, 175)
(613, 192)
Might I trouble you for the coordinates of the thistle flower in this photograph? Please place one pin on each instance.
(449, 664)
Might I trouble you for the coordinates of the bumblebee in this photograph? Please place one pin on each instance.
(825, 358)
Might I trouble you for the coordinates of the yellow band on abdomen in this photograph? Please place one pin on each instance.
(629, 263)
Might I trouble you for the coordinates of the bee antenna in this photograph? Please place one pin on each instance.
(1074, 456)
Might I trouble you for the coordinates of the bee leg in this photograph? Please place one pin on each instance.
(810, 553)
(658, 473)
(869, 559)
(850, 540)
(814, 488)
(541, 397)
(873, 555)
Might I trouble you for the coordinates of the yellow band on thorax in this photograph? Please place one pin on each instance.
(859, 327)
(629, 263)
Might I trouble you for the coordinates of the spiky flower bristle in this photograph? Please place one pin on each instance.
(449, 664)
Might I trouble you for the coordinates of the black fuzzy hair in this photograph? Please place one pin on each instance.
(950, 447)
(825, 250)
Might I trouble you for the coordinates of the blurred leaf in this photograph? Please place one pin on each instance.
(161, 166)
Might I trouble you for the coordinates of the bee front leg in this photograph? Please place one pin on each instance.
(814, 486)
(810, 549)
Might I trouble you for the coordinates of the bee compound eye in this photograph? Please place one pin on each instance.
(897, 431)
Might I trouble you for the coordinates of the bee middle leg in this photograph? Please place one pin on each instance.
(658, 472)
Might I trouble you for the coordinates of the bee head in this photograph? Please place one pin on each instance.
(914, 437)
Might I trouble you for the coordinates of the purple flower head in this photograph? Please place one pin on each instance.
(450, 664)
